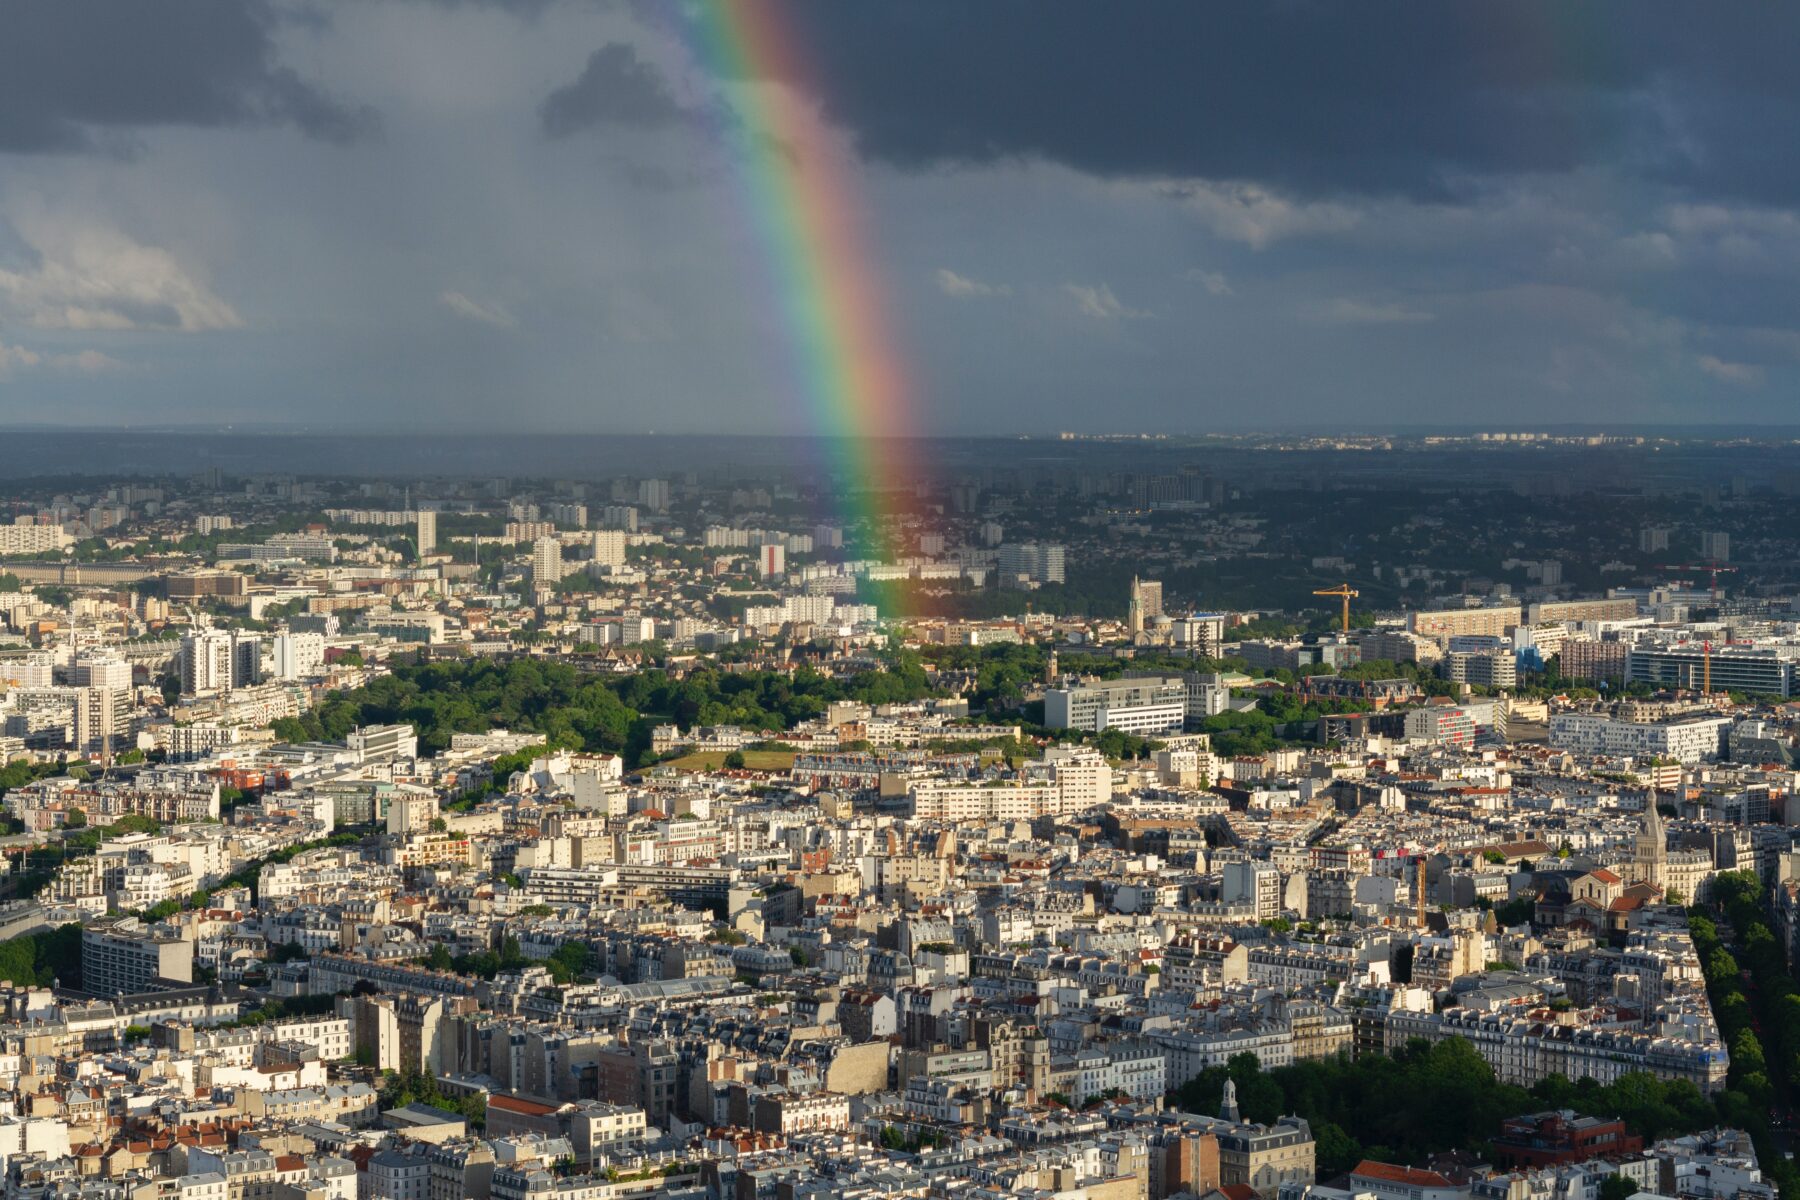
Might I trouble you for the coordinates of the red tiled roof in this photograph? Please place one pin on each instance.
(1411, 1176)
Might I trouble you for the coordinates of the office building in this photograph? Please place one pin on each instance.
(1144, 705)
(383, 743)
(1562, 1136)
(1748, 669)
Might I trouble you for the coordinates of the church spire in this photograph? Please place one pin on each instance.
(1652, 851)
(1228, 1111)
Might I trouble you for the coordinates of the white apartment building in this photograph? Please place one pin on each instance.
(546, 561)
(1690, 740)
(21, 538)
(1142, 706)
(299, 655)
(938, 801)
(608, 547)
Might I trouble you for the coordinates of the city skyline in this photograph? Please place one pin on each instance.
(544, 216)
(946, 600)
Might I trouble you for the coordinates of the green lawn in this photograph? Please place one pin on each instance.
(713, 760)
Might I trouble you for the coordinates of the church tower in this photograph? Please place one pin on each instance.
(1650, 854)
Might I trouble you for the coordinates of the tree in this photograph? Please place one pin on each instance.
(1336, 1151)
(735, 761)
(75, 818)
(1518, 911)
(1617, 1187)
(570, 961)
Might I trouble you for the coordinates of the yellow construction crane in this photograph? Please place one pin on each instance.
(1344, 591)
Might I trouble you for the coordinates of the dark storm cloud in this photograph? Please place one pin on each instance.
(74, 72)
(615, 88)
(1398, 97)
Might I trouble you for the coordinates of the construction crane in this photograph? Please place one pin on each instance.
(1343, 591)
(1711, 569)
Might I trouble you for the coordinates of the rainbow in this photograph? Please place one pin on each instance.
(807, 216)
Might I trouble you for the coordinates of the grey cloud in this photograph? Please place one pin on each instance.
(1741, 374)
(1348, 310)
(488, 313)
(89, 277)
(961, 287)
(615, 88)
(78, 74)
(17, 254)
(1099, 302)
(1318, 98)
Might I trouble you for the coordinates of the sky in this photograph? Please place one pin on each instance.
(1089, 215)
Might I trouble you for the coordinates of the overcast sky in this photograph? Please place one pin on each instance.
(1107, 215)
